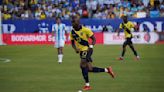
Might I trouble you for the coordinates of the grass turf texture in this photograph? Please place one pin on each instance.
(35, 69)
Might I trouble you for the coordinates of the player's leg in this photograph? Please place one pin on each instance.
(123, 50)
(96, 69)
(60, 54)
(84, 69)
(60, 51)
(130, 43)
(89, 60)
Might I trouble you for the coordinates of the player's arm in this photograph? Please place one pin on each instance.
(53, 30)
(118, 31)
(74, 46)
(73, 43)
(133, 26)
(53, 33)
(65, 29)
(90, 50)
(93, 41)
(90, 34)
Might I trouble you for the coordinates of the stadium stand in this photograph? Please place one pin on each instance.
(100, 9)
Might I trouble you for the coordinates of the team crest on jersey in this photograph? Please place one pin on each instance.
(81, 33)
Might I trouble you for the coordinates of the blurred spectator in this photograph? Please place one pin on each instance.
(6, 15)
(111, 15)
(91, 6)
(110, 28)
(145, 2)
(85, 13)
(105, 29)
(154, 12)
(106, 9)
(42, 16)
(141, 14)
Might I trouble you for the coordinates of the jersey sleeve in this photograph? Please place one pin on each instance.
(89, 32)
(64, 27)
(71, 37)
(132, 25)
(120, 26)
(53, 27)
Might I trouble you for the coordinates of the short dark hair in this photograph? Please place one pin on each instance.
(58, 18)
(124, 17)
(73, 19)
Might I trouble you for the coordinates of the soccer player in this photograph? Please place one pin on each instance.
(127, 26)
(79, 39)
(58, 30)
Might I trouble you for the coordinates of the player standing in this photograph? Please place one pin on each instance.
(127, 26)
(79, 40)
(59, 31)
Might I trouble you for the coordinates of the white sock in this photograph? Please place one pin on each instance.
(60, 58)
(138, 56)
(106, 70)
(87, 84)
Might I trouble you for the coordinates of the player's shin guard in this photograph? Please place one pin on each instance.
(97, 70)
(85, 74)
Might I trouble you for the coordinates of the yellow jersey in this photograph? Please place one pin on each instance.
(127, 28)
(42, 16)
(6, 16)
(81, 38)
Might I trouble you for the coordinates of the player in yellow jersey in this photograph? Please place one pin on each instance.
(127, 26)
(79, 40)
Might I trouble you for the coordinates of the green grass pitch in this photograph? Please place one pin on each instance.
(35, 69)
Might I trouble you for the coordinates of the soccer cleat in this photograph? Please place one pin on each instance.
(60, 62)
(110, 71)
(85, 88)
(120, 58)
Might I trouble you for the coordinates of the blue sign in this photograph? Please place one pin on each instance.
(45, 26)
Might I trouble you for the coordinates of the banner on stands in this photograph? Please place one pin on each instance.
(12, 39)
(45, 26)
(138, 38)
(101, 38)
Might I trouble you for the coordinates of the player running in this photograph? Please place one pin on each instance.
(127, 26)
(59, 31)
(79, 40)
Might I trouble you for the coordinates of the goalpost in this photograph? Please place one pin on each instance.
(1, 41)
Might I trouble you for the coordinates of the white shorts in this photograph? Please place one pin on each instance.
(59, 43)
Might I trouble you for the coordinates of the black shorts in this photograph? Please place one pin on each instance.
(128, 41)
(86, 55)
